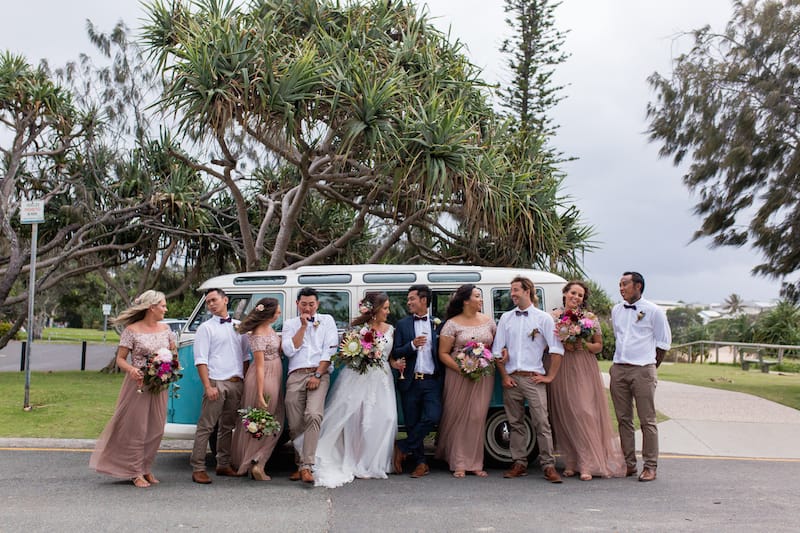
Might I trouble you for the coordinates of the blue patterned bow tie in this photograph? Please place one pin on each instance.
(223, 320)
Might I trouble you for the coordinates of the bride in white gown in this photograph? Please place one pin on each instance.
(360, 421)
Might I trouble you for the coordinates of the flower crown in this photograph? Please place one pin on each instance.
(364, 307)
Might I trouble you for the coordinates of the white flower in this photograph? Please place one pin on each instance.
(436, 322)
(163, 355)
(252, 427)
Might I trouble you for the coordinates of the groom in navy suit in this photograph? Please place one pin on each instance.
(415, 355)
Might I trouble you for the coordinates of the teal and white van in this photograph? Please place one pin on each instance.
(340, 288)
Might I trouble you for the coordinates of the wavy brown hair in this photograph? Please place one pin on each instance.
(376, 300)
(256, 317)
(579, 283)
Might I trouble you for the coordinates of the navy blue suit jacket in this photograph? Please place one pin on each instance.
(403, 335)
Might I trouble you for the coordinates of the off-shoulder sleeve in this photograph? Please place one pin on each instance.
(448, 330)
(126, 340)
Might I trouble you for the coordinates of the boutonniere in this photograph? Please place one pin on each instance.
(436, 322)
(533, 333)
(639, 316)
(316, 323)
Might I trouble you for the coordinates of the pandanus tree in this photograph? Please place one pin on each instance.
(360, 131)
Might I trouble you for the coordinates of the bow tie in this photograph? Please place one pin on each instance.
(223, 320)
(626, 306)
(423, 317)
(310, 319)
(521, 313)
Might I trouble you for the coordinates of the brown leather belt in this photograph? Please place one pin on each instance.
(308, 370)
(523, 373)
(235, 379)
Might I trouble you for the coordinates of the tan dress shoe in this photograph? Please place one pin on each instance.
(518, 470)
(422, 469)
(294, 476)
(551, 475)
(397, 459)
(306, 476)
(648, 474)
(200, 476)
(227, 471)
(630, 471)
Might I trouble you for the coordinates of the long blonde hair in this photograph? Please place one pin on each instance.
(138, 309)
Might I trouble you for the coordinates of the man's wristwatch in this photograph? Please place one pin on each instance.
(317, 375)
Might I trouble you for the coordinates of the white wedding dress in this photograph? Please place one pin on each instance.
(359, 425)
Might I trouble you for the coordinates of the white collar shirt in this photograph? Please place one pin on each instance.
(219, 346)
(320, 342)
(526, 337)
(424, 363)
(638, 332)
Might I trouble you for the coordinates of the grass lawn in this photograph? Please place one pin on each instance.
(78, 335)
(69, 404)
(783, 388)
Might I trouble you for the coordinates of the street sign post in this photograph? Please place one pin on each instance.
(106, 312)
(31, 212)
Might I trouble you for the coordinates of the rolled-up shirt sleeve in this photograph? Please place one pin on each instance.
(202, 345)
(331, 340)
(661, 331)
(554, 345)
(290, 328)
(499, 341)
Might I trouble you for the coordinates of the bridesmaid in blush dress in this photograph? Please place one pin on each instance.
(128, 445)
(579, 407)
(264, 378)
(465, 403)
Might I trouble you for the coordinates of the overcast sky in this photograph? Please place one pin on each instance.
(636, 201)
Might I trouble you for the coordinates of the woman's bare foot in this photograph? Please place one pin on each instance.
(568, 473)
(586, 477)
(140, 482)
(479, 473)
(459, 473)
(150, 478)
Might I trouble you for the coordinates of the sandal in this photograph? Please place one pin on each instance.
(459, 473)
(257, 471)
(150, 478)
(140, 482)
(479, 473)
(586, 477)
(568, 473)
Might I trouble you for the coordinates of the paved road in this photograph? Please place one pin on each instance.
(52, 356)
(56, 491)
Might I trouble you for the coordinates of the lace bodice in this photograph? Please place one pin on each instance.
(463, 334)
(143, 345)
(270, 344)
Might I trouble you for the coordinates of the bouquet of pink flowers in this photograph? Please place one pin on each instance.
(361, 349)
(162, 368)
(573, 326)
(259, 422)
(475, 360)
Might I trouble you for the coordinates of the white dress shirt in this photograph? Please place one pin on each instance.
(515, 332)
(319, 342)
(638, 332)
(219, 346)
(424, 363)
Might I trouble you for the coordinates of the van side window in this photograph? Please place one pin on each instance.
(501, 301)
(336, 304)
(238, 306)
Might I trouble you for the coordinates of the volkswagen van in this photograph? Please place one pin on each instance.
(340, 288)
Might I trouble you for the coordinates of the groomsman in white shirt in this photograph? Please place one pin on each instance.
(220, 355)
(309, 341)
(523, 334)
(642, 338)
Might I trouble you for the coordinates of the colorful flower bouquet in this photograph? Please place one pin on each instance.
(573, 326)
(162, 368)
(475, 360)
(259, 422)
(361, 350)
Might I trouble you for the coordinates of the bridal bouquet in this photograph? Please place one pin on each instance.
(361, 349)
(475, 360)
(259, 422)
(162, 368)
(573, 326)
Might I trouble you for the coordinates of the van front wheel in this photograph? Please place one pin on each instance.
(498, 437)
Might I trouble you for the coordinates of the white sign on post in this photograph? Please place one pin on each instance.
(31, 211)
(106, 309)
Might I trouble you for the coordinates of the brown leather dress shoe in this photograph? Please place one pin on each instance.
(200, 476)
(648, 474)
(630, 471)
(306, 476)
(294, 476)
(518, 470)
(422, 469)
(397, 459)
(551, 475)
(227, 471)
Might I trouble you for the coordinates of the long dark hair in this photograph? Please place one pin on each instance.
(264, 310)
(456, 304)
(370, 304)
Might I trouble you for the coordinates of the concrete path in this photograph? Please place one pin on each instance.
(714, 422)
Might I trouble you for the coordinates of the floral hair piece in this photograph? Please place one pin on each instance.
(259, 307)
(364, 307)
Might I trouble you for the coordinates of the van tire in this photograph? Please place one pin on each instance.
(497, 446)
